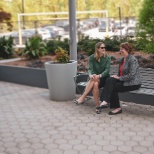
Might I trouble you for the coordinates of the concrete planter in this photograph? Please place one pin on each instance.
(60, 80)
(23, 75)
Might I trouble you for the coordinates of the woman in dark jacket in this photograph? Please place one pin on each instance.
(128, 79)
(98, 70)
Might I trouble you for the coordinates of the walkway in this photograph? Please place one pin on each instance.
(30, 123)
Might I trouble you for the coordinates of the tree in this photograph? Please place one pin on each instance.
(5, 18)
(146, 25)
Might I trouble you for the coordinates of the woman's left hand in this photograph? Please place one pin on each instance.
(115, 76)
(96, 77)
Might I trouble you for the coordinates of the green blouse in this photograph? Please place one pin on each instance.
(96, 67)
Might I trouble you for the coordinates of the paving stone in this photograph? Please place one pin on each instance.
(110, 138)
(24, 145)
(37, 146)
(131, 143)
(65, 146)
(124, 148)
(141, 133)
(70, 152)
(2, 149)
(74, 141)
(150, 138)
(117, 143)
(13, 150)
(8, 139)
(60, 141)
(140, 149)
(51, 146)
(149, 152)
(80, 147)
(31, 123)
(117, 152)
(95, 148)
(109, 148)
(70, 137)
(124, 138)
(146, 143)
(86, 152)
(41, 151)
(137, 138)
(10, 144)
(55, 151)
(26, 151)
(151, 149)
(90, 133)
(133, 152)
(47, 140)
(101, 152)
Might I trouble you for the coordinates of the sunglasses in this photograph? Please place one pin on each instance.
(102, 47)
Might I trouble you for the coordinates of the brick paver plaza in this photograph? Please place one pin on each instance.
(30, 123)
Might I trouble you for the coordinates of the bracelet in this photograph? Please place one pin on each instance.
(100, 75)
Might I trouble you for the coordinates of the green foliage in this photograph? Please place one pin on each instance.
(34, 48)
(87, 45)
(112, 44)
(145, 32)
(62, 55)
(52, 45)
(6, 47)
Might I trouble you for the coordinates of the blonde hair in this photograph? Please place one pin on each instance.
(96, 54)
(127, 46)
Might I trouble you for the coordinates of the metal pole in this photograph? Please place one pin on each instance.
(120, 22)
(72, 29)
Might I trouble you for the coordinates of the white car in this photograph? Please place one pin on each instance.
(59, 30)
(131, 30)
(120, 30)
(44, 33)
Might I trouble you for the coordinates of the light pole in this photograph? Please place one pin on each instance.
(23, 19)
(72, 29)
(120, 21)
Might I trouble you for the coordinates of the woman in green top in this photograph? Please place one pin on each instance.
(98, 70)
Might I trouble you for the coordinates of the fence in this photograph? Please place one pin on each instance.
(83, 24)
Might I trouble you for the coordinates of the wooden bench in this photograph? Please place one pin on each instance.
(145, 95)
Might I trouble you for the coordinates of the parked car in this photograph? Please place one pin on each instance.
(44, 33)
(58, 31)
(131, 31)
(53, 33)
(25, 35)
(120, 30)
(103, 25)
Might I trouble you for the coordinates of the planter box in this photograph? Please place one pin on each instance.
(23, 75)
(60, 80)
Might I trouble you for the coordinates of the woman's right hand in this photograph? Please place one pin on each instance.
(92, 76)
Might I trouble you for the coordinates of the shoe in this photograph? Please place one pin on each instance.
(112, 113)
(98, 111)
(78, 103)
(102, 106)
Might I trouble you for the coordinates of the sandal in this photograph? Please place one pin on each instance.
(102, 106)
(98, 111)
(78, 103)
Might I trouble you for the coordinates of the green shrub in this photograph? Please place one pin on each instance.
(52, 45)
(6, 48)
(87, 45)
(34, 48)
(62, 55)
